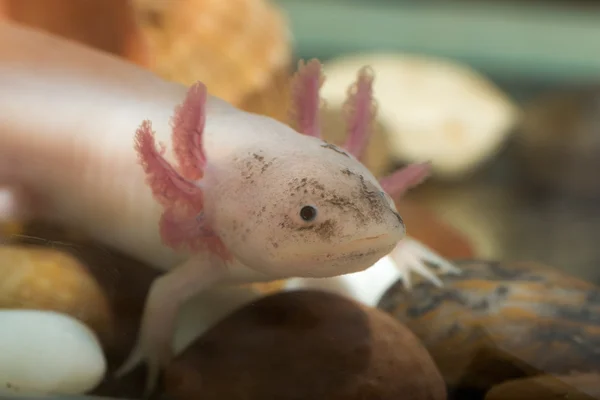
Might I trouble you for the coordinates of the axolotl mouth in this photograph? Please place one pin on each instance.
(352, 257)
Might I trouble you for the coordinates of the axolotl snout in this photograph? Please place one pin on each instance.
(301, 208)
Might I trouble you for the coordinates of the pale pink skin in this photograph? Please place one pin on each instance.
(76, 125)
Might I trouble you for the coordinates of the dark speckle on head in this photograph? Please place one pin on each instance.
(370, 195)
(258, 157)
(266, 165)
(351, 203)
(325, 230)
(255, 164)
(399, 218)
(334, 148)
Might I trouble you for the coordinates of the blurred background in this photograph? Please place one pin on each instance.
(501, 96)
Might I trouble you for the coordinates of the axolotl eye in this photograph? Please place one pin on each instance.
(308, 213)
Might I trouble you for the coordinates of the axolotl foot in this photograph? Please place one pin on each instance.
(152, 348)
(153, 365)
(411, 256)
(167, 294)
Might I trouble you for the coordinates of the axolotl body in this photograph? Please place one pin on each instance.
(249, 198)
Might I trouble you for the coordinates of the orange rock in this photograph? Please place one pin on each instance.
(269, 287)
(10, 228)
(33, 277)
(4, 13)
(107, 25)
(241, 49)
(424, 226)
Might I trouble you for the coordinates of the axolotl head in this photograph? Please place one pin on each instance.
(304, 208)
(279, 200)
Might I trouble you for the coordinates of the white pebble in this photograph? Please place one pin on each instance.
(44, 352)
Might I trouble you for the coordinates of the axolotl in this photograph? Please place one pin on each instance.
(248, 198)
(255, 199)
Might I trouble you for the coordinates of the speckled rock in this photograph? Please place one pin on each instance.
(557, 146)
(548, 387)
(503, 321)
(305, 345)
(38, 278)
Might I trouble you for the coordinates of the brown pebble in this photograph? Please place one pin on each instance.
(305, 345)
(548, 387)
(500, 321)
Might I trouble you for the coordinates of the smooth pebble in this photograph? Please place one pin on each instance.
(45, 352)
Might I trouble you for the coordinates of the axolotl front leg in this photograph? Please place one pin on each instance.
(181, 225)
(167, 294)
(360, 110)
